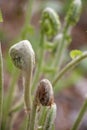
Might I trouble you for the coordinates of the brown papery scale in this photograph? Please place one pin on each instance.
(44, 93)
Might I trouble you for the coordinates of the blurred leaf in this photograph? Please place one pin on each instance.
(1, 18)
(75, 53)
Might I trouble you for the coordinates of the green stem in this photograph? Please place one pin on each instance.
(27, 91)
(27, 94)
(37, 118)
(1, 85)
(69, 66)
(61, 47)
(40, 63)
(51, 115)
(80, 116)
(31, 117)
(43, 117)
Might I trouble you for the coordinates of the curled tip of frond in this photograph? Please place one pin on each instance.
(74, 12)
(22, 54)
(50, 22)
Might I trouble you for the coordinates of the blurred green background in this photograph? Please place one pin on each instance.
(70, 94)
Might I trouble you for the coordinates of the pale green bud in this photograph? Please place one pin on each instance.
(50, 22)
(74, 12)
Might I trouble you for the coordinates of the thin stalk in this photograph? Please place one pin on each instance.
(37, 117)
(27, 90)
(40, 62)
(1, 85)
(51, 115)
(69, 66)
(33, 115)
(61, 47)
(27, 95)
(80, 116)
(31, 118)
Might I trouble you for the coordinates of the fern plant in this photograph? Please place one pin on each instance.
(38, 101)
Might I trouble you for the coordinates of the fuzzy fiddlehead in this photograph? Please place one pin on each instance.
(74, 12)
(50, 22)
(45, 97)
(45, 94)
(23, 57)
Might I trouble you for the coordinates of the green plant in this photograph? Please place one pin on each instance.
(38, 93)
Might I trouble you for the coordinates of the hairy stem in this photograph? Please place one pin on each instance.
(27, 94)
(69, 66)
(80, 116)
(27, 91)
(33, 115)
(51, 115)
(43, 116)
